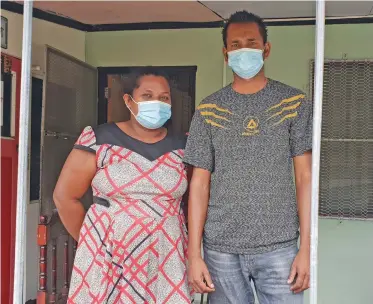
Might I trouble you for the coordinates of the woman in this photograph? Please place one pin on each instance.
(132, 240)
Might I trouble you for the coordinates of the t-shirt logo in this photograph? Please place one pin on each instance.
(251, 125)
(284, 110)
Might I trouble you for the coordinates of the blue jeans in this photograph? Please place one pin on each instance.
(232, 275)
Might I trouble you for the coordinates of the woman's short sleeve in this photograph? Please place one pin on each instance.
(87, 141)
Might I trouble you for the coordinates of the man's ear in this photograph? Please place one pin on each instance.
(267, 50)
(225, 54)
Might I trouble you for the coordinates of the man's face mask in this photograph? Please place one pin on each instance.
(246, 63)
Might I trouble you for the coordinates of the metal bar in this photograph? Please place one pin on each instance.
(53, 295)
(348, 60)
(316, 143)
(346, 140)
(65, 288)
(343, 218)
(23, 177)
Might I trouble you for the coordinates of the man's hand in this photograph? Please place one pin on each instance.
(299, 278)
(199, 276)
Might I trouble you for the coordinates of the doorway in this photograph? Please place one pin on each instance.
(183, 85)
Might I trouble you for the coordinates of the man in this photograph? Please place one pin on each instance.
(245, 140)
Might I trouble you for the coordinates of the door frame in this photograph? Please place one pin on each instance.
(103, 72)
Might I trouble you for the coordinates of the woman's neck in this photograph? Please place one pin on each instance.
(144, 134)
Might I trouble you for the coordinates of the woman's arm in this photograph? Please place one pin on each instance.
(74, 181)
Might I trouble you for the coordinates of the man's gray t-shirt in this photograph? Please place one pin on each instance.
(247, 142)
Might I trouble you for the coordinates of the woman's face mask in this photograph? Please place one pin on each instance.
(152, 114)
(246, 63)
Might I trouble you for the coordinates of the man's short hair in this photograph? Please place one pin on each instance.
(245, 17)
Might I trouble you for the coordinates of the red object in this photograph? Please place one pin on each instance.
(9, 165)
(42, 235)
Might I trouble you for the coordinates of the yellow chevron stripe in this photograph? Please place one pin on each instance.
(213, 106)
(291, 99)
(207, 113)
(291, 115)
(293, 107)
(213, 123)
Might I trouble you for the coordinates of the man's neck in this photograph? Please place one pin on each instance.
(249, 86)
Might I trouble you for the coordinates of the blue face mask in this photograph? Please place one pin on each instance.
(152, 114)
(246, 63)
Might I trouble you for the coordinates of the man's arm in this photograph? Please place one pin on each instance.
(303, 176)
(200, 156)
(300, 271)
(199, 193)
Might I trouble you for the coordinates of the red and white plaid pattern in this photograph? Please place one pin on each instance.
(133, 251)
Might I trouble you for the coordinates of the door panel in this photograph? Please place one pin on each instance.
(8, 184)
(11, 69)
(70, 104)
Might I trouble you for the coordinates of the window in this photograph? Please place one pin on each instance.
(6, 105)
(346, 167)
(35, 132)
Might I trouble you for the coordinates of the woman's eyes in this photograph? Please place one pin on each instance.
(150, 97)
(164, 98)
(147, 96)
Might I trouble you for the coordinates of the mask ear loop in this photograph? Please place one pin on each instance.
(128, 106)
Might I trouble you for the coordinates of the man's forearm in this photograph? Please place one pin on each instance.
(303, 177)
(304, 211)
(197, 210)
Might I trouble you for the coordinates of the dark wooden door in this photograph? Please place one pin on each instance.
(70, 105)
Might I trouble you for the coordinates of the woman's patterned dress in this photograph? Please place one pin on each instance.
(132, 245)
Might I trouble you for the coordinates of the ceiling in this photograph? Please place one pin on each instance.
(291, 9)
(115, 12)
(94, 13)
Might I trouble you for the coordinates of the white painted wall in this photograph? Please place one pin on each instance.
(62, 38)
(66, 40)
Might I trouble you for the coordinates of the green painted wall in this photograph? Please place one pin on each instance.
(345, 247)
(294, 46)
(201, 47)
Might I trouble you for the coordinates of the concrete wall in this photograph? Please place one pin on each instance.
(71, 42)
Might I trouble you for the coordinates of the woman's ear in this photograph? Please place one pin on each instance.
(127, 99)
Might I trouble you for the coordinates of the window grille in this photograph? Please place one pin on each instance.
(346, 165)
